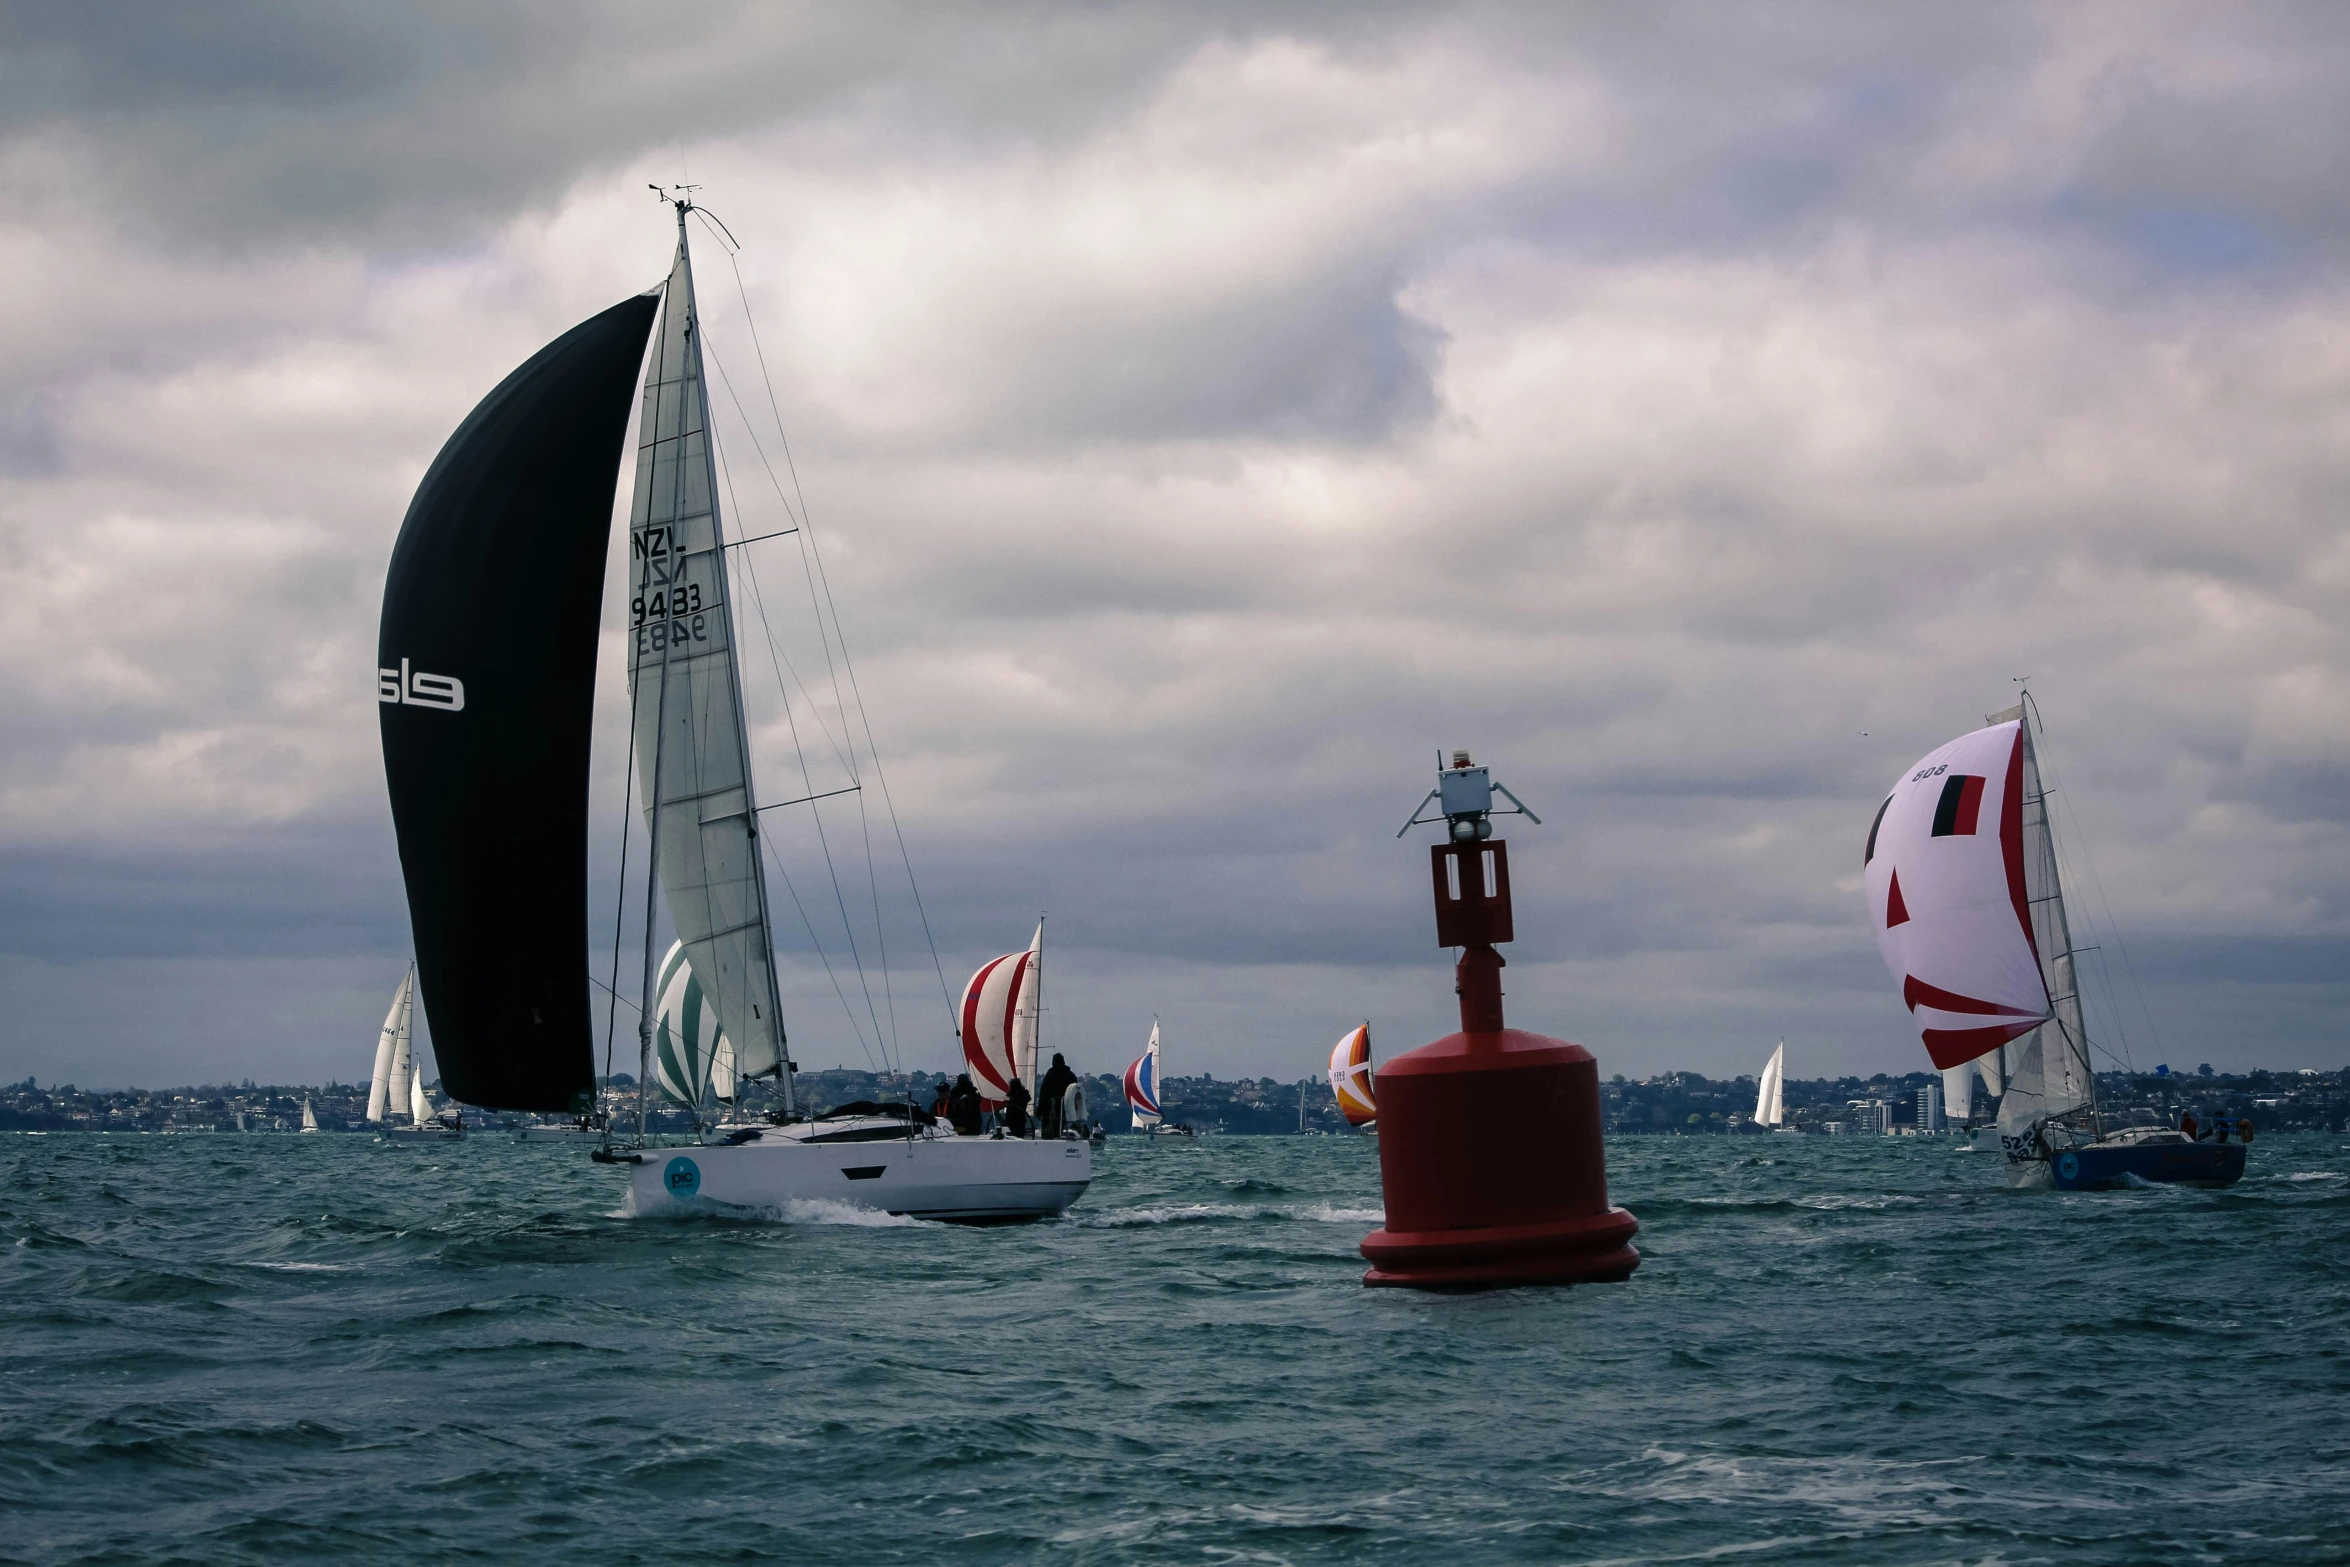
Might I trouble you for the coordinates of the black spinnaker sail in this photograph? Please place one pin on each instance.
(487, 663)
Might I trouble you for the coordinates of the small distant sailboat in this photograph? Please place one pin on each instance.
(1769, 1106)
(1350, 1077)
(398, 1084)
(1142, 1092)
(309, 1116)
(1963, 889)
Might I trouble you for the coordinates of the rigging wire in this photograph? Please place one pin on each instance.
(811, 552)
(619, 907)
(815, 811)
(2112, 927)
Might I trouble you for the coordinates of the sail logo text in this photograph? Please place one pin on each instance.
(418, 689)
(1924, 773)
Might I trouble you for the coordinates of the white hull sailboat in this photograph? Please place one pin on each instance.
(1770, 1107)
(486, 688)
(1968, 905)
(1142, 1093)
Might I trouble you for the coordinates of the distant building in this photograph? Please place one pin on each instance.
(1930, 1116)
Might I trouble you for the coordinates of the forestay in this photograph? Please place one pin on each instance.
(691, 751)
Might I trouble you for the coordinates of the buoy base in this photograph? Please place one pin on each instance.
(1595, 1249)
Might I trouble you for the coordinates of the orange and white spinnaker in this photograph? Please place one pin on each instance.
(1350, 1077)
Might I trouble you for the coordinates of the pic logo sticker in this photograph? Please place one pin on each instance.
(2069, 1166)
(683, 1177)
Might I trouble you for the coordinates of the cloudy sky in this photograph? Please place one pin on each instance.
(1206, 414)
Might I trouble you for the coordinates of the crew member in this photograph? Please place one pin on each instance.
(1016, 1108)
(2244, 1129)
(2187, 1125)
(1058, 1080)
(942, 1106)
(963, 1106)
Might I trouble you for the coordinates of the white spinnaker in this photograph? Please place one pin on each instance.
(1944, 868)
(687, 1042)
(2048, 1069)
(1768, 1098)
(391, 1045)
(688, 694)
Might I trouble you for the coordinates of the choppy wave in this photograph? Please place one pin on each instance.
(1842, 1351)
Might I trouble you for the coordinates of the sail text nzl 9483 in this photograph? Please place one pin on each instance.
(495, 586)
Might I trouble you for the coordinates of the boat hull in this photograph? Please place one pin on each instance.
(964, 1180)
(2170, 1164)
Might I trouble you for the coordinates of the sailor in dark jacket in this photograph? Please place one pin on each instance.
(963, 1106)
(1058, 1080)
(1016, 1108)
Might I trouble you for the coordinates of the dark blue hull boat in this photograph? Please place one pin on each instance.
(2166, 1163)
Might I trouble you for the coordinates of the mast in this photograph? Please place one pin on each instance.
(2074, 1082)
(701, 810)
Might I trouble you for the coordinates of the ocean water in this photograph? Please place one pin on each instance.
(240, 1349)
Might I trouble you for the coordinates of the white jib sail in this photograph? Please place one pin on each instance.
(691, 751)
(393, 1046)
(1768, 1109)
(419, 1107)
(2048, 1069)
(309, 1116)
(1958, 1090)
(1028, 1014)
(1944, 867)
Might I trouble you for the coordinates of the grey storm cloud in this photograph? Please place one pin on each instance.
(1209, 412)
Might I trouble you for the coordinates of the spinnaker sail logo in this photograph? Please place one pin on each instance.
(414, 688)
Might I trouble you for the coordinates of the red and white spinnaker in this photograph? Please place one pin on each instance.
(999, 1022)
(1944, 868)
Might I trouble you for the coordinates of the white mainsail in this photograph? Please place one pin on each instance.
(392, 1049)
(691, 751)
(2048, 1069)
(1958, 1090)
(1768, 1106)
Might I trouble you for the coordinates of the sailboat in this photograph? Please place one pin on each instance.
(309, 1116)
(1769, 1099)
(1142, 1092)
(1350, 1077)
(1963, 888)
(397, 1086)
(486, 689)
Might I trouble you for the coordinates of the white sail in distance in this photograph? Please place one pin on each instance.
(691, 750)
(1768, 1105)
(2048, 1069)
(309, 1116)
(392, 1048)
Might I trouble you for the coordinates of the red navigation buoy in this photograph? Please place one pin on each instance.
(1489, 1139)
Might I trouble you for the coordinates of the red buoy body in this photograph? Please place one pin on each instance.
(1490, 1150)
